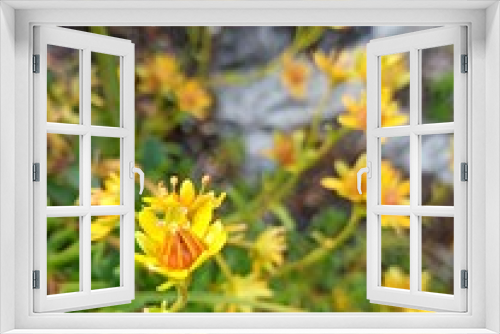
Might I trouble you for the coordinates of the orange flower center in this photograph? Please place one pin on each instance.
(296, 76)
(285, 153)
(189, 99)
(181, 249)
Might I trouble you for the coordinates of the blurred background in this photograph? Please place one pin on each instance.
(276, 116)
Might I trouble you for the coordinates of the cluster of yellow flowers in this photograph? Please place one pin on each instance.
(178, 231)
(161, 74)
(267, 254)
(394, 190)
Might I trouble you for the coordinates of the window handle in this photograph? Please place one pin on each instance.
(134, 170)
(368, 171)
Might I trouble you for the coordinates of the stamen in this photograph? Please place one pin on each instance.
(174, 180)
(205, 180)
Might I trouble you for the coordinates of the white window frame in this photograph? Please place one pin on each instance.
(483, 100)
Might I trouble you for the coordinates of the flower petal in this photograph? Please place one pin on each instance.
(331, 183)
(201, 219)
(187, 192)
(149, 223)
(216, 238)
(147, 244)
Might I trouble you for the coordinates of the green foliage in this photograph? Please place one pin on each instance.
(323, 267)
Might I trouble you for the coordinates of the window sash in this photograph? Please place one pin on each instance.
(86, 43)
(412, 43)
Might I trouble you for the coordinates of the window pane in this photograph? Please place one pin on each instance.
(437, 254)
(105, 89)
(105, 252)
(437, 84)
(395, 252)
(437, 169)
(63, 169)
(395, 171)
(106, 171)
(395, 89)
(63, 255)
(63, 86)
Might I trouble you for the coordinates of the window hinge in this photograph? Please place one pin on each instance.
(464, 172)
(36, 279)
(464, 279)
(465, 63)
(36, 172)
(36, 63)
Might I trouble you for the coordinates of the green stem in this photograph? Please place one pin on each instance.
(206, 50)
(144, 298)
(67, 255)
(280, 188)
(223, 266)
(326, 247)
(182, 298)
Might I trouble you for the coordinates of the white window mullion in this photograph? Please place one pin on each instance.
(414, 172)
(86, 160)
(127, 120)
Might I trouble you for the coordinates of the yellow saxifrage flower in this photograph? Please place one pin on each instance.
(245, 287)
(295, 76)
(178, 232)
(394, 190)
(268, 250)
(193, 98)
(355, 118)
(346, 183)
(394, 69)
(337, 70)
(160, 74)
(110, 195)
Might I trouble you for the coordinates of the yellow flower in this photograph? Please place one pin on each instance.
(289, 150)
(394, 277)
(337, 70)
(394, 190)
(178, 232)
(355, 118)
(102, 226)
(110, 195)
(245, 287)
(160, 74)
(394, 71)
(359, 70)
(194, 99)
(346, 184)
(268, 249)
(295, 76)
